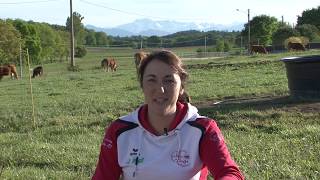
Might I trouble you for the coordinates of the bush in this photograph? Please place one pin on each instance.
(75, 68)
(199, 50)
(80, 51)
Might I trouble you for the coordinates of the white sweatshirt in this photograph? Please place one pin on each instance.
(192, 145)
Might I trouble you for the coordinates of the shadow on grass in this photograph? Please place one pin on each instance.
(260, 103)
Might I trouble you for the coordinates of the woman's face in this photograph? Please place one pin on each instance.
(161, 86)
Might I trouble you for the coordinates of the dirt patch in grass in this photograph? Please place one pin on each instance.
(211, 65)
(285, 103)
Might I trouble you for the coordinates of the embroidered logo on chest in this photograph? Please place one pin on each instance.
(182, 158)
(134, 157)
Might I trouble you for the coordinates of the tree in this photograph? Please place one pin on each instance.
(10, 40)
(220, 45)
(226, 46)
(212, 38)
(63, 43)
(229, 41)
(47, 41)
(78, 28)
(34, 49)
(101, 38)
(91, 38)
(310, 31)
(283, 33)
(310, 16)
(80, 51)
(31, 39)
(153, 41)
(262, 27)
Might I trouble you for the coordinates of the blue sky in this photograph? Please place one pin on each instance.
(110, 13)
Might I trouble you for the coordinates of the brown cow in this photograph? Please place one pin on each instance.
(37, 71)
(138, 57)
(4, 71)
(260, 49)
(14, 74)
(296, 46)
(109, 62)
(9, 69)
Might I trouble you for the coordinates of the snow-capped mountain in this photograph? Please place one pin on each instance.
(147, 27)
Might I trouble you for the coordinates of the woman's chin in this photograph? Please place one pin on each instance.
(161, 109)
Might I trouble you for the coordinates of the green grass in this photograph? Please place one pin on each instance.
(268, 141)
(273, 138)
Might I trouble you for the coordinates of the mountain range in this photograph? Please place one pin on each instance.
(148, 27)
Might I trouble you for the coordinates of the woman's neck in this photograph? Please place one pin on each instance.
(160, 122)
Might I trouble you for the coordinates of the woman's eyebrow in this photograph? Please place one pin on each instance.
(153, 76)
(168, 76)
(150, 75)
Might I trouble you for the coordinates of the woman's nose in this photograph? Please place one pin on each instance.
(160, 87)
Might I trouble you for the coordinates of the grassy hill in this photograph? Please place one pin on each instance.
(270, 134)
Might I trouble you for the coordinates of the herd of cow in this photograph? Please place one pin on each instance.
(106, 63)
(112, 64)
(11, 70)
(260, 49)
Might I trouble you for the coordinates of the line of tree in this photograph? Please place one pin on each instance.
(266, 30)
(179, 39)
(46, 43)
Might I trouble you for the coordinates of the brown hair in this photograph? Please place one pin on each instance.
(172, 60)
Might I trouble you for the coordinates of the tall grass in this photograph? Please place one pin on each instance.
(273, 138)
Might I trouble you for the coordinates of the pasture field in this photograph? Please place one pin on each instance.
(270, 134)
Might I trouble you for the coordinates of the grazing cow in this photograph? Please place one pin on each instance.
(138, 57)
(4, 71)
(109, 62)
(8, 69)
(296, 46)
(37, 71)
(14, 74)
(260, 49)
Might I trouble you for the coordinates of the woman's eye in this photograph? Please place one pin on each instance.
(151, 80)
(169, 81)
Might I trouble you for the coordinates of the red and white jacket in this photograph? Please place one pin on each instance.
(193, 145)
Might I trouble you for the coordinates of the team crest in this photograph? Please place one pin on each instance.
(182, 158)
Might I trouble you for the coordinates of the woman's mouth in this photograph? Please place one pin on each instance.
(160, 100)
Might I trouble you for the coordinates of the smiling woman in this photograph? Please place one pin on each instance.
(165, 138)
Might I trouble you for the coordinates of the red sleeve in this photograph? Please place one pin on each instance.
(214, 153)
(108, 166)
